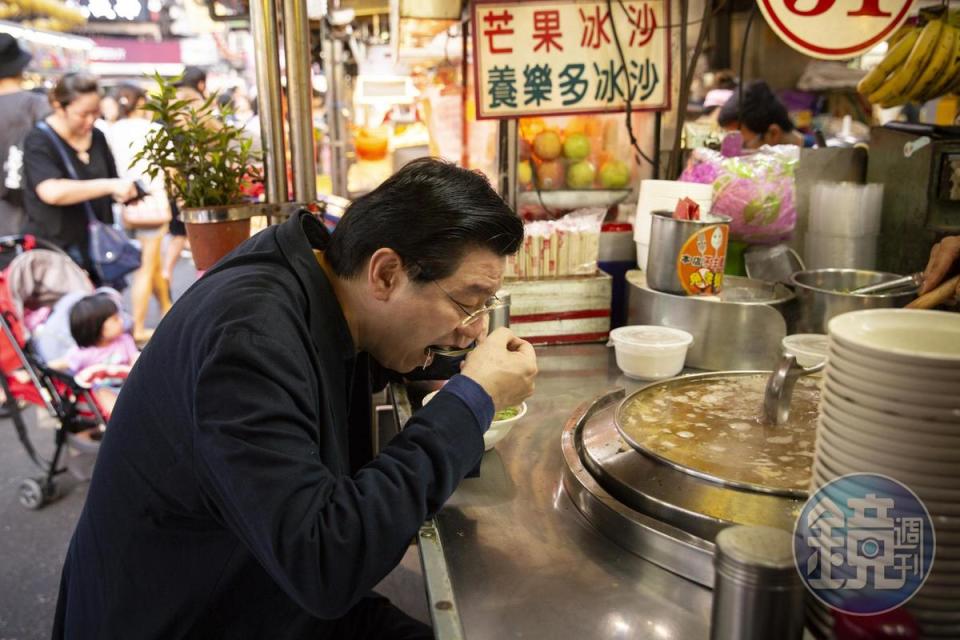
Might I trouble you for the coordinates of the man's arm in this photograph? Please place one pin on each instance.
(324, 537)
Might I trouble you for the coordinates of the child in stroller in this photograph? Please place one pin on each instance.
(36, 292)
(103, 353)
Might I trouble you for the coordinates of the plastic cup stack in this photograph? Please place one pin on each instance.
(844, 225)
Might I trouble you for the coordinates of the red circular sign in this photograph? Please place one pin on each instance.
(834, 29)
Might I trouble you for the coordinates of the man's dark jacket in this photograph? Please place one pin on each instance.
(234, 494)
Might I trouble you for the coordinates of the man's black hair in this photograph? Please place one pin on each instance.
(431, 213)
(760, 109)
(87, 317)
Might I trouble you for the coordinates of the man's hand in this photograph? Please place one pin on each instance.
(943, 256)
(505, 366)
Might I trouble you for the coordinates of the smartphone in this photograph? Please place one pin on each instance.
(141, 192)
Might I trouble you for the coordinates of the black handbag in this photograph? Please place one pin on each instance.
(112, 254)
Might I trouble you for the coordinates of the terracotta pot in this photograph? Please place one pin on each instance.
(216, 231)
(212, 240)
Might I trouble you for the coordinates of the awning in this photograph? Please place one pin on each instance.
(48, 15)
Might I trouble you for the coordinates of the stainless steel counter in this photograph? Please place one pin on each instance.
(511, 556)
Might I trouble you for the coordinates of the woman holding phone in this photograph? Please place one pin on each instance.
(55, 202)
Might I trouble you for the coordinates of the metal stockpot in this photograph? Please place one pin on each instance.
(675, 247)
(823, 294)
(741, 328)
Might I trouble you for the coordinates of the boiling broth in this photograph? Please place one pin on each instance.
(715, 426)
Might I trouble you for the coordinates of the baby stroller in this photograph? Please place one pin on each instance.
(30, 287)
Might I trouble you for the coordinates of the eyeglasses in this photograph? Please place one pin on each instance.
(491, 303)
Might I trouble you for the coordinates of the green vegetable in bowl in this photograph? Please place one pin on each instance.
(506, 414)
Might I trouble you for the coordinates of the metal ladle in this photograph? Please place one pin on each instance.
(779, 391)
(912, 281)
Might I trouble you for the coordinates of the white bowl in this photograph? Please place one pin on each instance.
(911, 336)
(896, 407)
(935, 447)
(810, 349)
(650, 352)
(895, 393)
(892, 367)
(498, 428)
(936, 475)
(893, 378)
(931, 428)
(938, 502)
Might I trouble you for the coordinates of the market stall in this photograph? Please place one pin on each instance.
(547, 540)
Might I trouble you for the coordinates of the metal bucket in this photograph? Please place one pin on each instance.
(823, 294)
(687, 257)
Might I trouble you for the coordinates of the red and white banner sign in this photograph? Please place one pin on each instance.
(834, 29)
(552, 57)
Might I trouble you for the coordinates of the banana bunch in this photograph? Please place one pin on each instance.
(922, 62)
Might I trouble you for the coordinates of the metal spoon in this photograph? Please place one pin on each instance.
(779, 391)
(912, 280)
(447, 352)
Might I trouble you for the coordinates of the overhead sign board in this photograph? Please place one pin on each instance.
(555, 57)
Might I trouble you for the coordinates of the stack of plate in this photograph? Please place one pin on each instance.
(891, 405)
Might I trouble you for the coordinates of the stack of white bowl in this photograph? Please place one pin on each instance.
(891, 405)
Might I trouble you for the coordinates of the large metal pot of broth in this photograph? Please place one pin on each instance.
(825, 293)
(711, 426)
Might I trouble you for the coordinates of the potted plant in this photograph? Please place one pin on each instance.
(207, 164)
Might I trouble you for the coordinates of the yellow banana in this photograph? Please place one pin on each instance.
(937, 65)
(898, 35)
(950, 73)
(896, 54)
(897, 84)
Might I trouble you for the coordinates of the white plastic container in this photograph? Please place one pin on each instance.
(649, 352)
(810, 349)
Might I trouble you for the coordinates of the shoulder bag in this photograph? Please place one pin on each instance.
(113, 254)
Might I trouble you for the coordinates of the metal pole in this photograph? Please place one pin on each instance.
(263, 25)
(333, 54)
(296, 47)
(507, 161)
(657, 127)
(464, 93)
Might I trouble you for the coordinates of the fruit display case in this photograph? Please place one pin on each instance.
(572, 162)
(572, 198)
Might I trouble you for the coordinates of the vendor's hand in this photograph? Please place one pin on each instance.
(124, 190)
(505, 366)
(944, 255)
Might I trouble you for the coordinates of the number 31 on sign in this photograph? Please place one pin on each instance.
(834, 29)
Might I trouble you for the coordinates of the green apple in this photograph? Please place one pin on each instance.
(614, 174)
(576, 147)
(547, 145)
(580, 175)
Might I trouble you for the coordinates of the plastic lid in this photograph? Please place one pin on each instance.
(806, 343)
(651, 336)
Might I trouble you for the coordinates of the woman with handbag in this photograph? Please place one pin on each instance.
(72, 182)
(148, 217)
